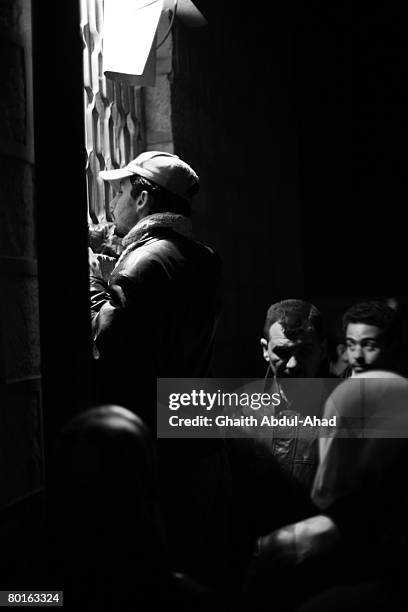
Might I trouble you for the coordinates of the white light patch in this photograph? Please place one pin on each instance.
(129, 31)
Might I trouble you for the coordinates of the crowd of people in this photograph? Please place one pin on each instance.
(293, 522)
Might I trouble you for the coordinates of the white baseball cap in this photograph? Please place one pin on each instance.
(164, 169)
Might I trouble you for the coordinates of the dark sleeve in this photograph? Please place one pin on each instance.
(124, 313)
(121, 308)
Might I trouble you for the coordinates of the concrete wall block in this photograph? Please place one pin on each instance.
(19, 328)
(21, 463)
(158, 112)
(17, 231)
(164, 52)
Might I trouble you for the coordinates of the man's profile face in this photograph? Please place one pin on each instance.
(123, 208)
(297, 358)
(365, 347)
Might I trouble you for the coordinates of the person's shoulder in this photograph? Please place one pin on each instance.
(141, 262)
(207, 253)
(188, 249)
(164, 255)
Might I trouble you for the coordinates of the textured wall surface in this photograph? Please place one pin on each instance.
(113, 112)
(21, 463)
(121, 120)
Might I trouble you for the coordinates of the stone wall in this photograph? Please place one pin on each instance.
(21, 454)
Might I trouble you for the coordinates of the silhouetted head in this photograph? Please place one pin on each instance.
(371, 436)
(107, 479)
(108, 450)
(107, 513)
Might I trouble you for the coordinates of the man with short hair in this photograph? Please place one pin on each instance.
(294, 343)
(294, 346)
(372, 334)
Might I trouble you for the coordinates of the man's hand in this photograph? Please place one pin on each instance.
(293, 544)
(97, 235)
(94, 265)
(102, 239)
(100, 266)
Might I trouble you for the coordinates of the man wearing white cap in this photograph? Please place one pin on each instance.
(155, 316)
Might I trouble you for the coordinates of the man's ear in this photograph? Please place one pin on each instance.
(143, 202)
(265, 353)
(341, 348)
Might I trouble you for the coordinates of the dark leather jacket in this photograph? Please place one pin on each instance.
(298, 453)
(155, 317)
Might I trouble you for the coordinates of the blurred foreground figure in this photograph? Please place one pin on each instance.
(372, 430)
(111, 544)
(361, 537)
(360, 484)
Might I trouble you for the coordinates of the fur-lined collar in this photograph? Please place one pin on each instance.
(178, 223)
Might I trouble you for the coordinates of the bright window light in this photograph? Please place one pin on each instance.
(129, 33)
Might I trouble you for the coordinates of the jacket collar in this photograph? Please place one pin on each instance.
(177, 223)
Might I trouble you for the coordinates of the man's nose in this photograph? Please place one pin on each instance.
(112, 204)
(292, 363)
(358, 353)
